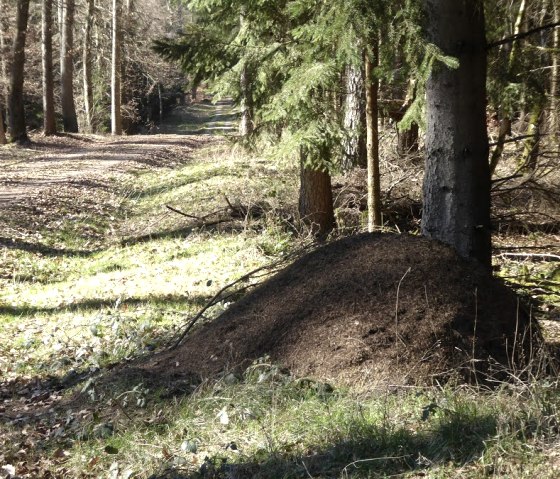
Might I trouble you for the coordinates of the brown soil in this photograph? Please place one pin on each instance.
(367, 309)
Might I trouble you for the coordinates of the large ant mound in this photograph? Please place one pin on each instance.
(373, 308)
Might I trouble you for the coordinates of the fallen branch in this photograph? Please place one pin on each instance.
(199, 218)
(539, 256)
(516, 248)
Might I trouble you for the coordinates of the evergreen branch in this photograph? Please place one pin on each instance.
(522, 35)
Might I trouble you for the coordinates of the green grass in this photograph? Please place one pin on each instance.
(268, 424)
(70, 308)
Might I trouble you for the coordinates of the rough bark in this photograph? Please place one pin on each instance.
(3, 139)
(354, 147)
(116, 94)
(87, 66)
(49, 121)
(246, 121)
(407, 141)
(531, 145)
(372, 127)
(315, 199)
(555, 79)
(457, 177)
(3, 79)
(18, 131)
(69, 117)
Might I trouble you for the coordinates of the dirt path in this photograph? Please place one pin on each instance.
(70, 159)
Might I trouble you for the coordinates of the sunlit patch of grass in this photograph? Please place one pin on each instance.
(71, 308)
(120, 301)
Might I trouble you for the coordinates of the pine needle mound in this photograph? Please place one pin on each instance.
(366, 310)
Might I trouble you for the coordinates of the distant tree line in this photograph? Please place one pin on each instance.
(82, 65)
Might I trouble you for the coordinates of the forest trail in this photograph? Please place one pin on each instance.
(52, 162)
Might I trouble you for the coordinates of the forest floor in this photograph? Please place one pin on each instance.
(110, 247)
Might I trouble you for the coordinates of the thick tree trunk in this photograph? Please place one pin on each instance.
(372, 126)
(87, 66)
(116, 114)
(69, 117)
(354, 146)
(49, 121)
(457, 177)
(3, 79)
(18, 131)
(315, 199)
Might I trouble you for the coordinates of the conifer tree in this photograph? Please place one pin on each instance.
(457, 177)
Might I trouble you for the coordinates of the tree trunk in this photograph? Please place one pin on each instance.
(505, 118)
(531, 145)
(372, 126)
(116, 114)
(246, 122)
(457, 177)
(3, 79)
(87, 66)
(49, 121)
(245, 84)
(3, 139)
(315, 199)
(69, 117)
(555, 80)
(18, 131)
(354, 146)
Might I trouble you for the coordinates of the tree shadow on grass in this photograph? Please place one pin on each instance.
(31, 387)
(223, 225)
(45, 250)
(94, 304)
(369, 450)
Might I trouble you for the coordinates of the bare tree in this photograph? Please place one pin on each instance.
(372, 117)
(245, 84)
(555, 78)
(18, 131)
(49, 121)
(69, 117)
(354, 147)
(3, 77)
(87, 65)
(116, 94)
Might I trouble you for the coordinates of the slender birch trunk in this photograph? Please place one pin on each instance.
(87, 65)
(116, 95)
(372, 118)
